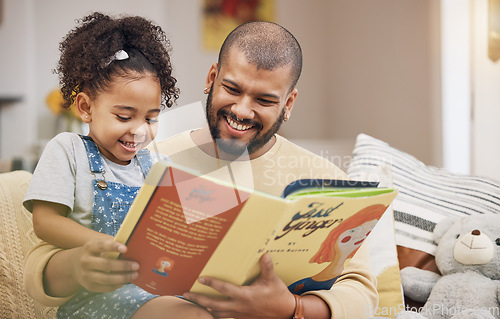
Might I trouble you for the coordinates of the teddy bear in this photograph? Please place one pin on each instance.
(468, 257)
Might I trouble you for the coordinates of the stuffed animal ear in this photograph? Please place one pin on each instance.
(442, 227)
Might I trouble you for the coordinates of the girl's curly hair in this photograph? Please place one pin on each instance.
(87, 65)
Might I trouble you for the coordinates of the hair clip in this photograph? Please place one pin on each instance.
(118, 56)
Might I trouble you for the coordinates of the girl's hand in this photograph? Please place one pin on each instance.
(93, 271)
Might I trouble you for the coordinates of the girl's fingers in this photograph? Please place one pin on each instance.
(100, 246)
(107, 265)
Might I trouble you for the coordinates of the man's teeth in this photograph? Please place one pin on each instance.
(238, 126)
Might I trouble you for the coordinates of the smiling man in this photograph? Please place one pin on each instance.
(251, 92)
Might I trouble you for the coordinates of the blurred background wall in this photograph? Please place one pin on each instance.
(413, 73)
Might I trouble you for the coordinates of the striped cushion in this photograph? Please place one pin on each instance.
(426, 194)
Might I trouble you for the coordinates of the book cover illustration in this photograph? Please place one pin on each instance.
(340, 244)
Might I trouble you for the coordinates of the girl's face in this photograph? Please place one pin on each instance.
(124, 118)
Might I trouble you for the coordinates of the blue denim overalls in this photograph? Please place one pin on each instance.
(111, 203)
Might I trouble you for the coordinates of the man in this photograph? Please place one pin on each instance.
(251, 92)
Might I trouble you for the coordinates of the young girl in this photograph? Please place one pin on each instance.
(117, 73)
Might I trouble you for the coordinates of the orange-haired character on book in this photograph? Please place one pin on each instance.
(342, 243)
(163, 265)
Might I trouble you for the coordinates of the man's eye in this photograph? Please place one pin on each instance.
(231, 89)
(267, 102)
(123, 118)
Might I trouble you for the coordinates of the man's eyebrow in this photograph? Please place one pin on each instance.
(273, 96)
(269, 95)
(231, 82)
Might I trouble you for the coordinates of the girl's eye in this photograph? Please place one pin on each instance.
(152, 121)
(123, 118)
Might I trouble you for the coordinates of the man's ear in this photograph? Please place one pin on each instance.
(212, 74)
(82, 104)
(290, 101)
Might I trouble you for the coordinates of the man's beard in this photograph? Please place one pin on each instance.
(233, 146)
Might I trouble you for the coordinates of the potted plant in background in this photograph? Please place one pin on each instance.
(68, 120)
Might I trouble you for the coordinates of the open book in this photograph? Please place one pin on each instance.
(182, 226)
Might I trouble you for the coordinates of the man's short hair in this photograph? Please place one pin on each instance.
(267, 45)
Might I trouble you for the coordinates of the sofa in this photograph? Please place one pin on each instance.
(403, 238)
(16, 238)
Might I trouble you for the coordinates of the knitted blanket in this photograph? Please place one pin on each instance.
(16, 238)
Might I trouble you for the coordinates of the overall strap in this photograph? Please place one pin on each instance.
(145, 161)
(93, 154)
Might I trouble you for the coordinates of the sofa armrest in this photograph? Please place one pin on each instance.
(16, 238)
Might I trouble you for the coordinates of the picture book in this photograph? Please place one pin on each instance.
(183, 225)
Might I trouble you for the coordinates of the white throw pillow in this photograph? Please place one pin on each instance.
(426, 194)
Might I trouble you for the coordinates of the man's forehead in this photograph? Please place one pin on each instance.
(239, 58)
(236, 54)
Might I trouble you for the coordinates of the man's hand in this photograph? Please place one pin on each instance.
(266, 297)
(93, 271)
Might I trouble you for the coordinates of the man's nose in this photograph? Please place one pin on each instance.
(243, 108)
